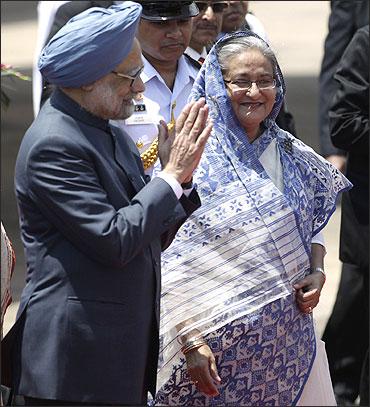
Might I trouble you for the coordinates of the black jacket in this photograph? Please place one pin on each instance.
(349, 128)
(345, 19)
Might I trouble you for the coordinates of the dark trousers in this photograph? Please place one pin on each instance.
(346, 334)
(364, 385)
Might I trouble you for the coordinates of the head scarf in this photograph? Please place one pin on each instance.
(250, 241)
(90, 45)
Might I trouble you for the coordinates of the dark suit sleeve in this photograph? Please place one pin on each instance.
(341, 30)
(349, 114)
(65, 187)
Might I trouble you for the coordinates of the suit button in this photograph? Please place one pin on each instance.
(155, 262)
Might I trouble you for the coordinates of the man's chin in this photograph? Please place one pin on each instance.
(126, 112)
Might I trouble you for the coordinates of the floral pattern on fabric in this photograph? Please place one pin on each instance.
(263, 359)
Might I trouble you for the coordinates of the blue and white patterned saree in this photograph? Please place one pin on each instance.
(229, 272)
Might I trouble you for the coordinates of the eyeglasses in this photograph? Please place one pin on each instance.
(246, 85)
(133, 78)
(217, 7)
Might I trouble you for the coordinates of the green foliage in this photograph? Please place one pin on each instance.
(7, 71)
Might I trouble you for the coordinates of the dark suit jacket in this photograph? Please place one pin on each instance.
(93, 232)
(349, 127)
(345, 19)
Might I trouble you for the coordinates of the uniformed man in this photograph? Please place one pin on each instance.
(164, 33)
(206, 27)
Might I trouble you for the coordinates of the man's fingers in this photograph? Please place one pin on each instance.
(196, 121)
(191, 109)
(186, 123)
(203, 137)
(162, 132)
(183, 115)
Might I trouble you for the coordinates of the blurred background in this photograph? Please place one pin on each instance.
(296, 29)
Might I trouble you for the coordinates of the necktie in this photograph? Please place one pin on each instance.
(201, 60)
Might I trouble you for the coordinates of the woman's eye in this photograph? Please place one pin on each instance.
(242, 82)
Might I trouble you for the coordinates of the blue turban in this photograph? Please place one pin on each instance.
(90, 45)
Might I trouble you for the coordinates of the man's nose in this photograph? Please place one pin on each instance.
(209, 13)
(138, 86)
(173, 29)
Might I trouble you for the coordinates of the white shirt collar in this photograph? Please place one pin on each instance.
(184, 69)
(195, 54)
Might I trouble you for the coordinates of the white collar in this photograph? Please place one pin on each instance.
(184, 69)
(195, 54)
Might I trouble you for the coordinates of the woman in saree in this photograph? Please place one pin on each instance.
(244, 273)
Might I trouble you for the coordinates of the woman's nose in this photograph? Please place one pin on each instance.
(253, 90)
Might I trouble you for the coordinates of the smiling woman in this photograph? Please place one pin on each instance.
(252, 85)
(244, 273)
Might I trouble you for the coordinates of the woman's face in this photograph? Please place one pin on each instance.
(253, 105)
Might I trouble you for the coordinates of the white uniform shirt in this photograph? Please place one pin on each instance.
(156, 103)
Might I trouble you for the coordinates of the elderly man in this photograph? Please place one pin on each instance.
(206, 26)
(92, 224)
(164, 34)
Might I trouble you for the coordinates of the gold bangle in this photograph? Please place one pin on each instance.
(193, 344)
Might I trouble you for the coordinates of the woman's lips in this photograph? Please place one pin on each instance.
(252, 105)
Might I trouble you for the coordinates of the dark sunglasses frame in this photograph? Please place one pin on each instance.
(217, 7)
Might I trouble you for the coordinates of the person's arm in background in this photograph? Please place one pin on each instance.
(349, 113)
(345, 18)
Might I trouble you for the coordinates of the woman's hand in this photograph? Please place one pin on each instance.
(308, 291)
(202, 370)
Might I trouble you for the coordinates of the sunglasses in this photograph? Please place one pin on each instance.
(217, 7)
